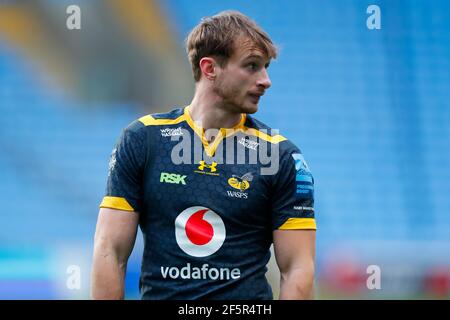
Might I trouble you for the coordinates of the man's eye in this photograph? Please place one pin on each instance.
(252, 65)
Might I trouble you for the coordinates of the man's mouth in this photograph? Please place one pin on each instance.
(255, 97)
(258, 94)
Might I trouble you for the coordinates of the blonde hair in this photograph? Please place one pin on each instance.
(215, 36)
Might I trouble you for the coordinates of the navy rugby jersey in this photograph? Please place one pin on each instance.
(207, 211)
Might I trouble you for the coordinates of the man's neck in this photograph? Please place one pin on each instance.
(209, 112)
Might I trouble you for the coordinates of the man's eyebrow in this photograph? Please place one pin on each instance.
(254, 56)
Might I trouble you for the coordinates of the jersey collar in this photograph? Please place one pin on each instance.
(223, 132)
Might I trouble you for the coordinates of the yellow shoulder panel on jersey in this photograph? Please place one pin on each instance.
(116, 203)
(299, 223)
(150, 121)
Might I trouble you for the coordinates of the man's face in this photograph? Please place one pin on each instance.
(244, 79)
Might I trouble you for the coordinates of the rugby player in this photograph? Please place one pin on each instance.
(209, 219)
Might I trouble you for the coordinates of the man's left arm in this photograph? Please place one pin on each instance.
(295, 257)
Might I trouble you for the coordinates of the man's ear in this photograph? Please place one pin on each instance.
(208, 67)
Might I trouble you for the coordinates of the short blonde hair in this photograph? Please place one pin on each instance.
(215, 36)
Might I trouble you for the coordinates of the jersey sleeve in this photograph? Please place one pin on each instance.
(126, 168)
(293, 196)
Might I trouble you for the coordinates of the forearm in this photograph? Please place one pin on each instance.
(108, 276)
(297, 284)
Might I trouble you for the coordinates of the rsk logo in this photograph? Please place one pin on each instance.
(199, 231)
(172, 178)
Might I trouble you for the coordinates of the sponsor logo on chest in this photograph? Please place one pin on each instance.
(241, 184)
(172, 178)
(249, 143)
(206, 168)
(171, 132)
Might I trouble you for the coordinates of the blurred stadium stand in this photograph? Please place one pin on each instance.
(370, 110)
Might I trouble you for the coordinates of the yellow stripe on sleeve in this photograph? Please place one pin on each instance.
(116, 203)
(299, 223)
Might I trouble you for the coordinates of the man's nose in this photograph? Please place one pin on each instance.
(264, 80)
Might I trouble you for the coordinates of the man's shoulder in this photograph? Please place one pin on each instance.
(158, 119)
(264, 132)
(252, 122)
(155, 119)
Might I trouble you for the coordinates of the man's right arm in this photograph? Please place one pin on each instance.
(115, 236)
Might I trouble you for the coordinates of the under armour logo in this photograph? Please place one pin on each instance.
(211, 167)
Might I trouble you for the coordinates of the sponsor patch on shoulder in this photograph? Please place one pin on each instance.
(304, 180)
(300, 163)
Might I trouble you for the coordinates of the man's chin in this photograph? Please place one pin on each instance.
(250, 108)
